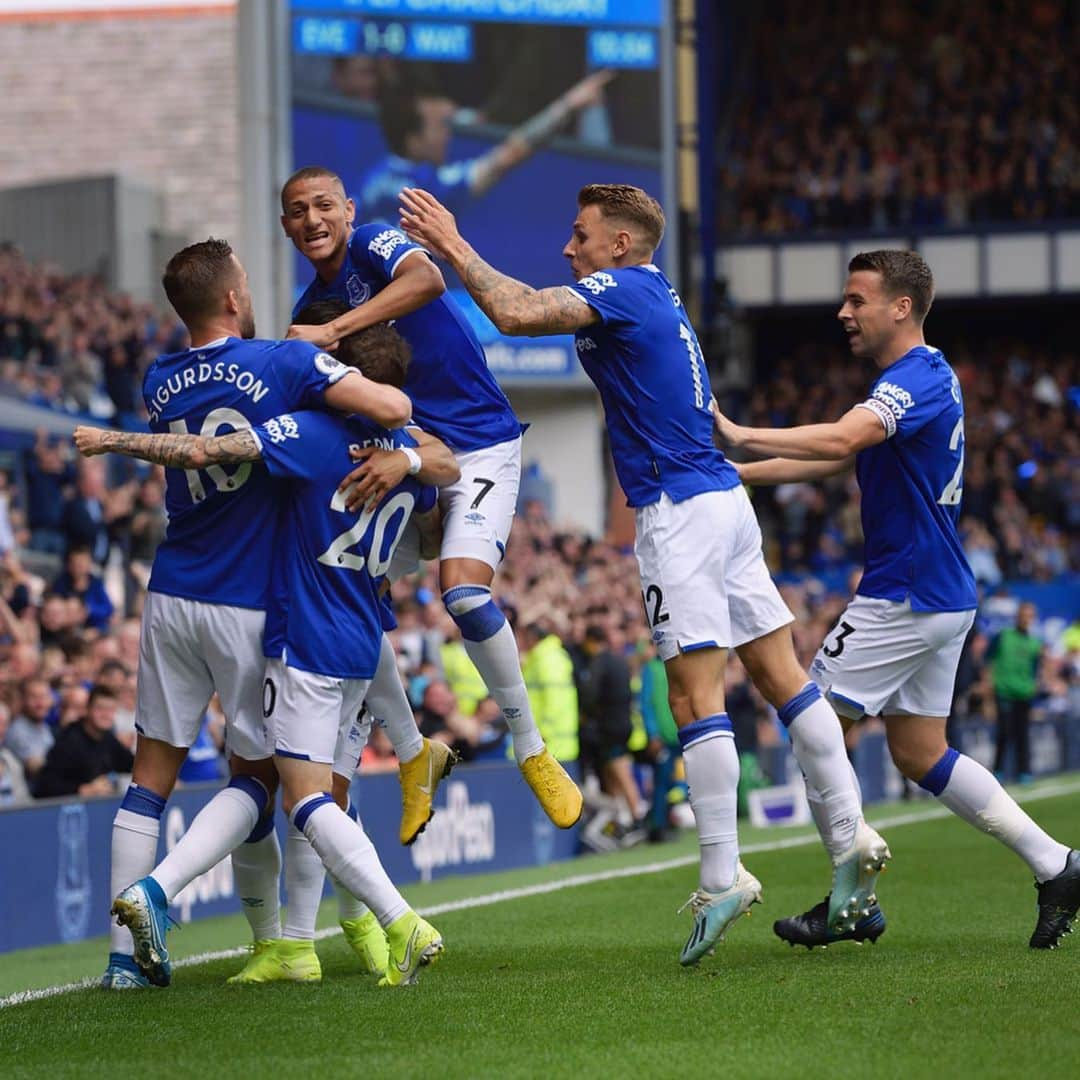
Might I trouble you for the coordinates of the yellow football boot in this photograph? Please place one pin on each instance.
(367, 939)
(419, 781)
(553, 788)
(280, 960)
(413, 944)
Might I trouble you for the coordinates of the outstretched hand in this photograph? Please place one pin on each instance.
(426, 221)
(725, 428)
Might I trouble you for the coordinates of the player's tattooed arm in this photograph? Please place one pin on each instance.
(518, 309)
(172, 451)
(514, 307)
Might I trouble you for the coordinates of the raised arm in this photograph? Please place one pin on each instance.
(786, 471)
(514, 307)
(525, 139)
(417, 281)
(172, 451)
(384, 404)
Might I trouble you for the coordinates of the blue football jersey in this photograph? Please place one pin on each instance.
(222, 521)
(645, 360)
(912, 484)
(454, 395)
(325, 615)
(379, 190)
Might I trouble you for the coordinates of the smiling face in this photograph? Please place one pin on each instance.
(317, 217)
(870, 317)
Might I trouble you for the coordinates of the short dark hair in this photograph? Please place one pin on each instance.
(99, 690)
(628, 204)
(379, 352)
(903, 273)
(310, 172)
(399, 117)
(596, 634)
(321, 311)
(196, 277)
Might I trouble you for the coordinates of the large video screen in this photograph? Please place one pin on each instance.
(503, 108)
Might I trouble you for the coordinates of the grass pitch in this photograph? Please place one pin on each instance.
(585, 981)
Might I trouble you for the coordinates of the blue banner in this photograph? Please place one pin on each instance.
(556, 12)
(54, 859)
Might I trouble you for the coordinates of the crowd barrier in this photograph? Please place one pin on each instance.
(54, 857)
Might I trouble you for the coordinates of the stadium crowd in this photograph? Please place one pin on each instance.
(944, 114)
(77, 538)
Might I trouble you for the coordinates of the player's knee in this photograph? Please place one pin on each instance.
(476, 614)
(914, 760)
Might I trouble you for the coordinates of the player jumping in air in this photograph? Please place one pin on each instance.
(896, 648)
(705, 584)
(382, 275)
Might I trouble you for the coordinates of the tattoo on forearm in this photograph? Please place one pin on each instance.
(185, 451)
(519, 308)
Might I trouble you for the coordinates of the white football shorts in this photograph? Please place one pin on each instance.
(882, 658)
(704, 581)
(188, 650)
(478, 511)
(306, 714)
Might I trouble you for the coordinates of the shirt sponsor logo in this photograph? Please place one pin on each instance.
(598, 282)
(385, 242)
(895, 398)
(281, 428)
(585, 344)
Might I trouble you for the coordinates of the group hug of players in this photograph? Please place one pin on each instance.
(304, 474)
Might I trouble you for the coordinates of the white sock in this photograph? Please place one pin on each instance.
(257, 876)
(817, 740)
(820, 813)
(221, 825)
(349, 855)
(490, 645)
(972, 793)
(134, 852)
(348, 906)
(712, 774)
(386, 701)
(304, 878)
(499, 665)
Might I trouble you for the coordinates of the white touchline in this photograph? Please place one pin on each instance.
(525, 891)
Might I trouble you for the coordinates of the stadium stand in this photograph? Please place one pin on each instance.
(913, 115)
